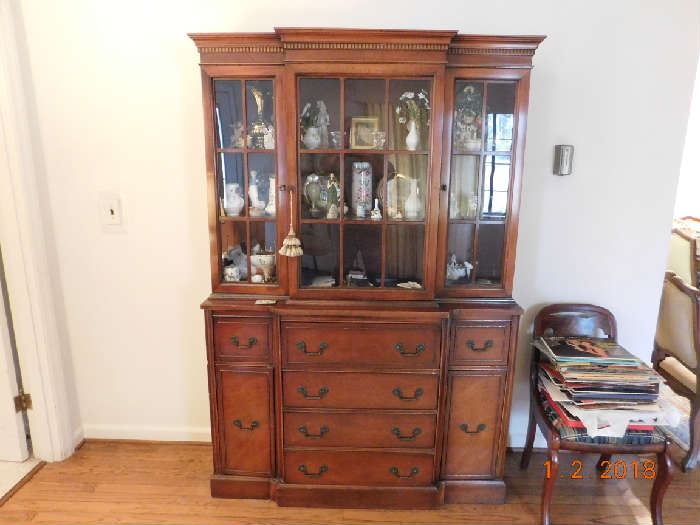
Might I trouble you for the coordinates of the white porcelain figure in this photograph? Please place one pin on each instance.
(333, 212)
(312, 138)
(413, 138)
(376, 213)
(270, 209)
(323, 120)
(232, 274)
(412, 206)
(269, 140)
(233, 200)
(257, 207)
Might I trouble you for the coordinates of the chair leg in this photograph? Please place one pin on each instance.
(603, 458)
(529, 440)
(664, 474)
(548, 489)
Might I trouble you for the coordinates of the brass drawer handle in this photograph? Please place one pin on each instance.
(321, 392)
(420, 348)
(252, 341)
(472, 346)
(395, 471)
(253, 425)
(321, 431)
(479, 428)
(412, 437)
(398, 393)
(322, 347)
(321, 471)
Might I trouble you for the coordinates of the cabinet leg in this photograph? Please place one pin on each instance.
(529, 440)
(664, 474)
(549, 481)
(603, 458)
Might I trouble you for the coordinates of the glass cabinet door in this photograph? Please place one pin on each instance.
(479, 181)
(363, 160)
(246, 167)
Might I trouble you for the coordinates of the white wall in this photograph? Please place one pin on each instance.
(117, 89)
(688, 193)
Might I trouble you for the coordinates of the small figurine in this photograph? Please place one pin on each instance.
(333, 197)
(333, 212)
(270, 209)
(269, 137)
(376, 213)
(455, 270)
(237, 135)
(323, 121)
(257, 207)
(232, 274)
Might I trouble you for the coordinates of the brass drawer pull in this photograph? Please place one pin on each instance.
(412, 437)
(397, 392)
(321, 392)
(395, 471)
(253, 425)
(472, 346)
(322, 347)
(252, 341)
(420, 348)
(479, 428)
(321, 471)
(321, 431)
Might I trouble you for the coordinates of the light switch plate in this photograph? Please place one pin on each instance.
(111, 211)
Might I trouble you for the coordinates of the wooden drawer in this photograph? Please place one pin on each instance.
(362, 344)
(322, 467)
(242, 338)
(245, 424)
(360, 390)
(361, 430)
(475, 407)
(480, 343)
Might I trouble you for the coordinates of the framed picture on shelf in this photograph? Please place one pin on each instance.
(362, 132)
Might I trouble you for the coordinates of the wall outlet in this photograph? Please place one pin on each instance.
(111, 212)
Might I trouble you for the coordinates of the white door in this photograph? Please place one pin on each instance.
(13, 441)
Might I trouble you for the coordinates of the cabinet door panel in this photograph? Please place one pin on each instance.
(246, 424)
(474, 425)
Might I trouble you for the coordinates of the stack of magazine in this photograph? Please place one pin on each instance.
(597, 385)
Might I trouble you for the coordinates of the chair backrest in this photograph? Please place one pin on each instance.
(564, 319)
(682, 256)
(678, 325)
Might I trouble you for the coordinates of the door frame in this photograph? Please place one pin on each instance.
(27, 241)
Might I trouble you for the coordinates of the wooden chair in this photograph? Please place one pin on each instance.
(682, 256)
(589, 321)
(677, 354)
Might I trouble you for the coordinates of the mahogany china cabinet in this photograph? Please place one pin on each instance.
(375, 368)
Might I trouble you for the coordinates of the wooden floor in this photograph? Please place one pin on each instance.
(134, 483)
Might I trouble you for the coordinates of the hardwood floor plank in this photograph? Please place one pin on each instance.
(158, 483)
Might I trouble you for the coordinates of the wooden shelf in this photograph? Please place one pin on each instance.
(244, 150)
(347, 151)
(246, 218)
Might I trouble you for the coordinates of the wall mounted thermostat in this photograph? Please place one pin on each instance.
(563, 159)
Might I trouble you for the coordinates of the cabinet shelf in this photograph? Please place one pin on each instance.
(246, 218)
(244, 150)
(348, 151)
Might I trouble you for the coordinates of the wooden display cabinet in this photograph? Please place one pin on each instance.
(378, 372)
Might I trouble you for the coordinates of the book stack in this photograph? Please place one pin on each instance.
(597, 386)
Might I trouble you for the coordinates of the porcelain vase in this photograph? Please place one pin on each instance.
(413, 138)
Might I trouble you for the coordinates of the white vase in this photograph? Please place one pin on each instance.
(412, 139)
(270, 208)
(412, 206)
(312, 138)
(233, 201)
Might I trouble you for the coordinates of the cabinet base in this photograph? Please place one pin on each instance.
(355, 497)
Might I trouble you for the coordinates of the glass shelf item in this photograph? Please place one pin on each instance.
(363, 175)
(365, 113)
(406, 187)
(320, 262)
(319, 183)
(479, 182)
(410, 106)
(318, 111)
(260, 114)
(362, 255)
(404, 256)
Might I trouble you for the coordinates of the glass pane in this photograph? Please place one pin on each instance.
(464, 180)
(469, 101)
(263, 242)
(500, 106)
(460, 253)
(490, 253)
(228, 114)
(261, 185)
(362, 254)
(409, 127)
(231, 186)
(406, 186)
(320, 186)
(404, 255)
(319, 111)
(319, 264)
(494, 202)
(260, 113)
(363, 175)
(365, 108)
(234, 252)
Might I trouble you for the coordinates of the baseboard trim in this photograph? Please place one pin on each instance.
(143, 433)
(145, 441)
